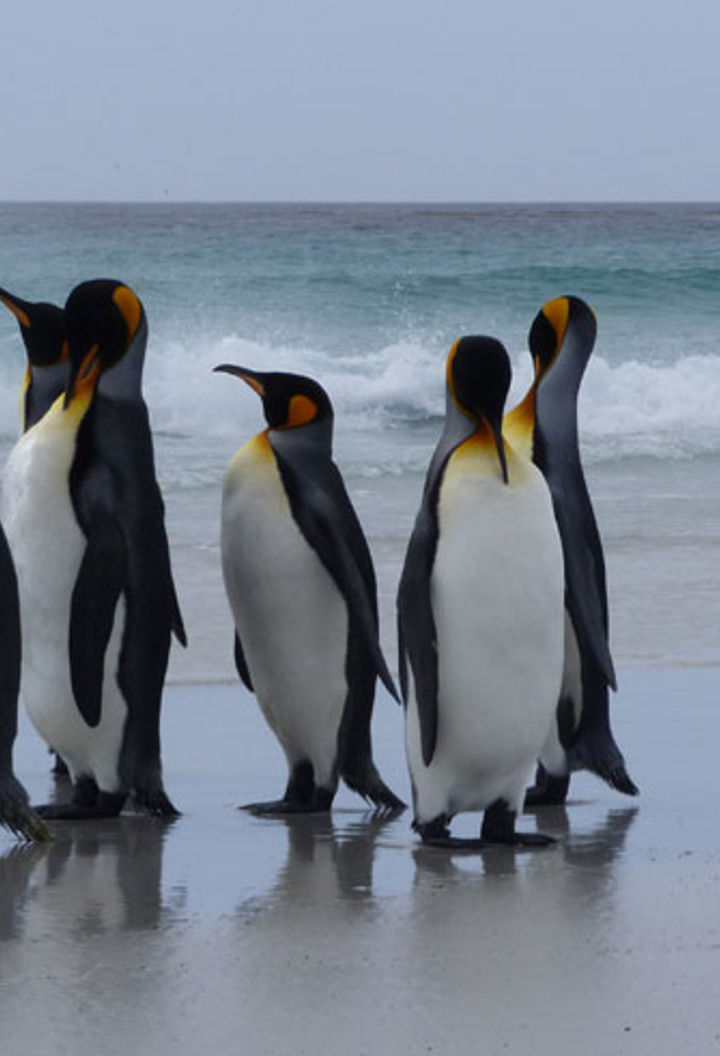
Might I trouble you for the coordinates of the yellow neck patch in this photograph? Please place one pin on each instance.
(477, 455)
(83, 395)
(519, 423)
(449, 379)
(130, 307)
(557, 312)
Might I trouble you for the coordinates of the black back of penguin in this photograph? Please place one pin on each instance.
(119, 508)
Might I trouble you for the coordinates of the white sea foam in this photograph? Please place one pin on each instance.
(626, 409)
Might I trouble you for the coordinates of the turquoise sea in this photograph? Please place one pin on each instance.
(368, 299)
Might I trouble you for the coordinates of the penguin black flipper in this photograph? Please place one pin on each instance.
(241, 664)
(417, 634)
(15, 811)
(324, 514)
(97, 590)
(115, 446)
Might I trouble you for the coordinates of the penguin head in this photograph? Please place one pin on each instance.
(559, 318)
(290, 401)
(478, 378)
(42, 327)
(103, 319)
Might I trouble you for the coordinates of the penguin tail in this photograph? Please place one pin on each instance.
(366, 781)
(17, 815)
(601, 756)
(154, 801)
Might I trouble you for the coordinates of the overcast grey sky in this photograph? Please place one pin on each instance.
(360, 100)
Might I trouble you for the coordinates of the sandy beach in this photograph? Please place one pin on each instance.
(221, 932)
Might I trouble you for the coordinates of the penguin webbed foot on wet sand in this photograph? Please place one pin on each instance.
(59, 768)
(498, 828)
(17, 815)
(279, 808)
(548, 791)
(89, 802)
(105, 805)
(302, 796)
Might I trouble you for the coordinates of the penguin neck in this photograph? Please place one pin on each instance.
(458, 428)
(519, 423)
(124, 380)
(41, 388)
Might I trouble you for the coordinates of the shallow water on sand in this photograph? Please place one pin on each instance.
(221, 931)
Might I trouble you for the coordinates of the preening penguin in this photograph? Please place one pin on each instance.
(301, 586)
(544, 425)
(480, 610)
(85, 522)
(42, 327)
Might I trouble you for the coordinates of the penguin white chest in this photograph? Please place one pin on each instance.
(497, 599)
(289, 614)
(47, 546)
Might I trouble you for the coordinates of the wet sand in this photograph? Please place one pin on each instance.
(222, 933)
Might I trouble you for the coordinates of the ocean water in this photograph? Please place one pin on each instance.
(368, 299)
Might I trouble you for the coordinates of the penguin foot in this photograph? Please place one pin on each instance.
(284, 807)
(17, 815)
(499, 827)
(436, 833)
(85, 806)
(532, 839)
(59, 767)
(454, 843)
(548, 791)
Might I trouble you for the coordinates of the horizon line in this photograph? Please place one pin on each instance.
(318, 202)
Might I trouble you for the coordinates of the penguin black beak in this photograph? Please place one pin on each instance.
(250, 377)
(79, 370)
(496, 429)
(17, 307)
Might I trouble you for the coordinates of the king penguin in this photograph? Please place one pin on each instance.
(42, 327)
(85, 522)
(480, 611)
(544, 425)
(301, 586)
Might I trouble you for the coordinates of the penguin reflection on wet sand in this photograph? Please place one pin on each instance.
(42, 327)
(480, 611)
(85, 522)
(544, 427)
(301, 586)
